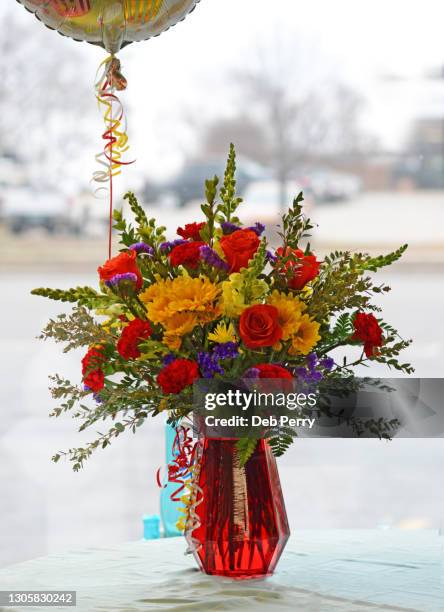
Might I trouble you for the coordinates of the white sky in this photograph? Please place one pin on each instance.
(362, 40)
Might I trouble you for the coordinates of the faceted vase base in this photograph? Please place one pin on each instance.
(242, 525)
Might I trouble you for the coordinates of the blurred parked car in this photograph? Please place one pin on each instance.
(262, 200)
(25, 208)
(331, 185)
(189, 184)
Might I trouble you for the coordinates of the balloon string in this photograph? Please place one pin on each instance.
(108, 79)
(110, 222)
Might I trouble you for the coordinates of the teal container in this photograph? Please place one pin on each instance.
(151, 527)
(169, 510)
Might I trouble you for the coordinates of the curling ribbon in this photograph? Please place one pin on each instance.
(184, 471)
(109, 79)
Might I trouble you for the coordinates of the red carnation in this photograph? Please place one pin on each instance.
(177, 375)
(132, 335)
(258, 326)
(93, 376)
(186, 254)
(121, 264)
(268, 370)
(191, 231)
(239, 247)
(304, 267)
(368, 331)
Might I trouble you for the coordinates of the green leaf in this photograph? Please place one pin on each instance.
(279, 444)
(245, 448)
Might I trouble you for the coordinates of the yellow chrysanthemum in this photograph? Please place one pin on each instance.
(237, 293)
(290, 309)
(223, 333)
(306, 337)
(178, 325)
(180, 304)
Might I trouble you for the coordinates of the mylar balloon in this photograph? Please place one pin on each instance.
(110, 23)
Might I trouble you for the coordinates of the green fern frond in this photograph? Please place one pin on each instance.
(245, 448)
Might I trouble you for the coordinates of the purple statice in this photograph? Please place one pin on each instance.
(227, 350)
(251, 373)
(314, 370)
(96, 396)
(309, 375)
(257, 228)
(209, 365)
(270, 257)
(209, 256)
(209, 362)
(168, 246)
(169, 359)
(327, 363)
(312, 361)
(142, 247)
(229, 228)
(117, 279)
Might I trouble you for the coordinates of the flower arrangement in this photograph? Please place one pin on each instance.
(216, 302)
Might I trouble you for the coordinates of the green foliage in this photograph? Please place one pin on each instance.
(75, 330)
(209, 209)
(372, 264)
(84, 296)
(295, 226)
(245, 448)
(138, 212)
(280, 443)
(340, 286)
(146, 230)
(230, 202)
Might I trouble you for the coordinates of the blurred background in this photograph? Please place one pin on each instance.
(344, 100)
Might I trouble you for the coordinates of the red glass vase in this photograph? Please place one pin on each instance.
(242, 525)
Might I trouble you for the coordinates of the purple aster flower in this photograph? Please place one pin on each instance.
(117, 279)
(257, 228)
(228, 228)
(210, 257)
(227, 350)
(142, 247)
(167, 246)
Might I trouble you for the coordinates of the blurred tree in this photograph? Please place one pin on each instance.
(46, 105)
(297, 111)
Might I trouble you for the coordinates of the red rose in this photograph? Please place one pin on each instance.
(186, 254)
(268, 370)
(121, 264)
(177, 375)
(258, 326)
(368, 331)
(239, 247)
(132, 334)
(93, 376)
(191, 230)
(304, 267)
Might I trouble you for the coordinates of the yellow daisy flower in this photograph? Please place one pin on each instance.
(290, 309)
(223, 333)
(306, 337)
